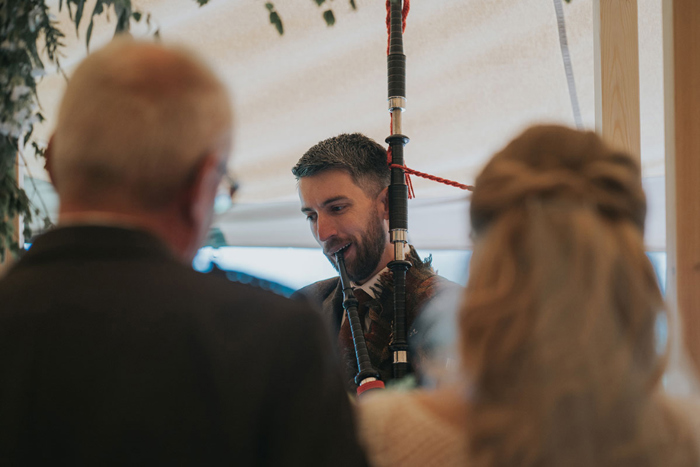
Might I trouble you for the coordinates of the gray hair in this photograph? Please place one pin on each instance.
(137, 117)
(362, 157)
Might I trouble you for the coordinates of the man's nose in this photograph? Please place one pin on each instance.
(325, 229)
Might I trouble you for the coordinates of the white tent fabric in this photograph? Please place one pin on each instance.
(479, 71)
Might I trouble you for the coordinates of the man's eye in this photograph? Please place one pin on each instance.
(337, 208)
(311, 217)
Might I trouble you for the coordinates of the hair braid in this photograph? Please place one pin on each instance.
(559, 313)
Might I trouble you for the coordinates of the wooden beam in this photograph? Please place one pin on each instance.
(682, 108)
(616, 66)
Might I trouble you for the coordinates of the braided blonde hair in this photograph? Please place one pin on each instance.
(558, 324)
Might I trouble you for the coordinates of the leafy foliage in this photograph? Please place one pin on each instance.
(328, 16)
(25, 26)
(122, 10)
(275, 19)
(30, 41)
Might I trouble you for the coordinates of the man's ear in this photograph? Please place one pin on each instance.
(384, 200)
(48, 155)
(197, 198)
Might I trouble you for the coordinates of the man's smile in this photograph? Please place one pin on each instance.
(337, 248)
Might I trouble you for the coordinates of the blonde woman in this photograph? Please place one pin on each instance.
(557, 326)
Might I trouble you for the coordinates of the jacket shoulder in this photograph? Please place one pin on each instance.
(318, 291)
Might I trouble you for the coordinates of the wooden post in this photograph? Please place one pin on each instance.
(616, 66)
(682, 109)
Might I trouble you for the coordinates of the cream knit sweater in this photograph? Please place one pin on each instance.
(426, 428)
(417, 428)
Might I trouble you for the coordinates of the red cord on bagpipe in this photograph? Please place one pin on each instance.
(434, 178)
(411, 194)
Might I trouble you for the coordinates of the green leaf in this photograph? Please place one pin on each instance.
(329, 17)
(122, 22)
(277, 21)
(95, 11)
(89, 34)
(122, 8)
(320, 2)
(118, 8)
(79, 14)
(215, 238)
(352, 4)
(270, 7)
(202, 2)
(136, 15)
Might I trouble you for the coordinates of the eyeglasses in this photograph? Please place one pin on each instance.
(224, 193)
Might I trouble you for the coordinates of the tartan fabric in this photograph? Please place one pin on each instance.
(421, 286)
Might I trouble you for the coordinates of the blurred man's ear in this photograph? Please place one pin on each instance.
(197, 198)
(384, 199)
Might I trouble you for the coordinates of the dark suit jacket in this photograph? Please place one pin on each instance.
(112, 352)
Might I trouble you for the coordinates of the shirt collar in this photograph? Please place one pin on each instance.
(371, 286)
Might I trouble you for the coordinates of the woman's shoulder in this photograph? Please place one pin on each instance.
(677, 431)
(414, 428)
(686, 409)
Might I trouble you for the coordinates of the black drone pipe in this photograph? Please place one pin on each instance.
(367, 377)
(398, 191)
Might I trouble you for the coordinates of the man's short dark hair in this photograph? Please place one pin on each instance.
(362, 157)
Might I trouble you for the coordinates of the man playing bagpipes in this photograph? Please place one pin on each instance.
(343, 191)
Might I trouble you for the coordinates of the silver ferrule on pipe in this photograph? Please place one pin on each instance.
(397, 105)
(399, 253)
(396, 121)
(397, 102)
(400, 356)
(399, 237)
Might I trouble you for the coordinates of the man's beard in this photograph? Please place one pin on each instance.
(369, 249)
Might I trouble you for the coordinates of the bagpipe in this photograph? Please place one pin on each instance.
(399, 191)
(368, 377)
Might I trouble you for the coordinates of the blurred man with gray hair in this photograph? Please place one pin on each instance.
(112, 349)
